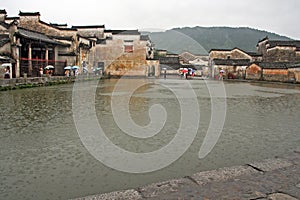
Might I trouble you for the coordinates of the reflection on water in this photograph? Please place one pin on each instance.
(42, 156)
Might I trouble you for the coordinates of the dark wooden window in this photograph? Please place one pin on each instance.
(128, 48)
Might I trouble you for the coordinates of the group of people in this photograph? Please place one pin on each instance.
(46, 71)
(185, 72)
(68, 72)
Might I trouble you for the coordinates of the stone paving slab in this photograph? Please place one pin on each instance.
(251, 186)
(270, 179)
(270, 164)
(280, 196)
(157, 189)
(222, 174)
(118, 195)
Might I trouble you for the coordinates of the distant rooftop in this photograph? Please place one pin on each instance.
(29, 13)
(89, 26)
(3, 11)
(59, 25)
(220, 50)
(293, 43)
(239, 62)
(276, 65)
(123, 32)
(145, 37)
(37, 36)
(12, 18)
(249, 53)
(4, 25)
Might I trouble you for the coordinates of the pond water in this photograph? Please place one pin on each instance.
(42, 156)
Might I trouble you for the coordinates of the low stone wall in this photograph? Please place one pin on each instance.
(275, 75)
(253, 76)
(19, 83)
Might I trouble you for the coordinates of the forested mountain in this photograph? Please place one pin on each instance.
(200, 40)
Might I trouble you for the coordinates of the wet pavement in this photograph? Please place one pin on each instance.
(273, 179)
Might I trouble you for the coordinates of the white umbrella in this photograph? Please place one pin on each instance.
(75, 67)
(222, 71)
(49, 67)
(6, 65)
(68, 68)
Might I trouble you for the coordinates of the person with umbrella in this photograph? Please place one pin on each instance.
(67, 71)
(41, 71)
(75, 70)
(49, 69)
(221, 74)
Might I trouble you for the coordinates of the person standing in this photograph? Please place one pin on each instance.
(67, 73)
(7, 73)
(41, 71)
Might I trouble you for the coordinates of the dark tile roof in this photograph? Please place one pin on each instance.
(253, 54)
(6, 58)
(297, 65)
(12, 18)
(275, 65)
(220, 50)
(160, 50)
(69, 38)
(125, 32)
(265, 38)
(37, 36)
(291, 43)
(90, 38)
(172, 55)
(67, 54)
(89, 26)
(238, 62)
(29, 13)
(170, 66)
(4, 24)
(169, 60)
(4, 36)
(187, 56)
(3, 11)
(57, 27)
(4, 41)
(101, 41)
(145, 38)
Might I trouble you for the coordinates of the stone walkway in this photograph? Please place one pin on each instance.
(276, 179)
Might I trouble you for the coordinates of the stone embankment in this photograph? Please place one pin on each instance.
(19, 83)
(276, 179)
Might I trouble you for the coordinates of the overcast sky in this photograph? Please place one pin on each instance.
(279, 16)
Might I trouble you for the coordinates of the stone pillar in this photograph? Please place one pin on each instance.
(47, 55)
(55, 52)
(29, 60)
(17, 65)
(78, 57)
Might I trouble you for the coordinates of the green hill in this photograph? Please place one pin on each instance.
(200, 40)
